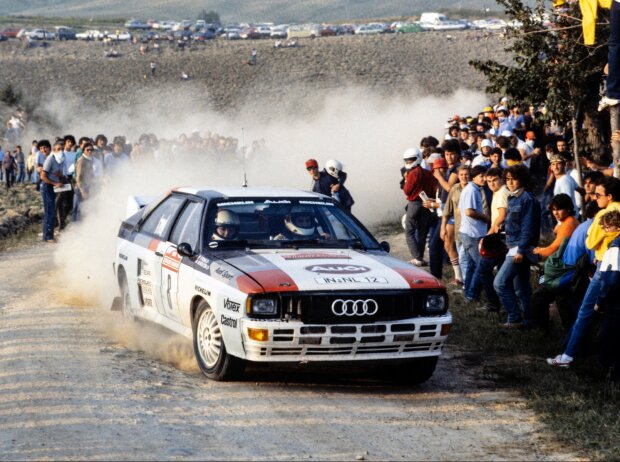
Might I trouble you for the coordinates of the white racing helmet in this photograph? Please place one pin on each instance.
(413, 154)
(226, 225)
(300, 221)
(333, 167)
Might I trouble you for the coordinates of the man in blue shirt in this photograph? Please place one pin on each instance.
(475, 218)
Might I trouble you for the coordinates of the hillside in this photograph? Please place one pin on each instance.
(239, 10)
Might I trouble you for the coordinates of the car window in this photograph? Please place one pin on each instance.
(187, 226)
(160, 220)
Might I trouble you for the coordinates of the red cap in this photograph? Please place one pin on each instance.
(440, 163)
(312, 163)
(530, 136)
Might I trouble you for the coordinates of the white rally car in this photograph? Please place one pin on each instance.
(270, 275)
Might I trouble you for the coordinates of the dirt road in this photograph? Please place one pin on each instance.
(72, 386)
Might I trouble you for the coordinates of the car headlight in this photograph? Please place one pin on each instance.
(435, 303)
(264, 307)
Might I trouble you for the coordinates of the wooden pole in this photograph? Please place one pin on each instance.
(577, 163)
(614, 116)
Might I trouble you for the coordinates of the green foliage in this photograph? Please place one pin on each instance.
(10, 96)
(209, 16)
(550, 64)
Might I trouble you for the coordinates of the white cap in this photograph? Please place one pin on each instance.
(506, 133)
(504, 99)
(501, 108)
(447, 136)
(486, 144)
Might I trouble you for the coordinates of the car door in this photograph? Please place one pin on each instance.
(173, 270)
(155, 229)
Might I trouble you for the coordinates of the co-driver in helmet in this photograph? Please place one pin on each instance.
(226, 226)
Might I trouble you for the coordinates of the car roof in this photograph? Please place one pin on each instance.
(239, 192)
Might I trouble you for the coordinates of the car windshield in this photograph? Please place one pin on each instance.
(283, 223)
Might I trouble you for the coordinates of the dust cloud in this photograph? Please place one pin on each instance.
(368, 133)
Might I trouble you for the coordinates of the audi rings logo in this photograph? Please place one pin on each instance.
(366, 307)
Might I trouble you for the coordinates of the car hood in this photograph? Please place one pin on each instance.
(320, 270)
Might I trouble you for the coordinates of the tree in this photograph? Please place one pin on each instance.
(10, 96)
(551, 64)
(209, 17)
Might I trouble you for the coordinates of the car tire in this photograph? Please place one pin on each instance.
(209, 347)
(415, 371)
(126, 307)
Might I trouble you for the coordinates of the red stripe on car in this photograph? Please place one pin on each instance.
(272, 280)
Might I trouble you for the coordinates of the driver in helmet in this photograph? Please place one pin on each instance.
(300, 223)
(226, 226)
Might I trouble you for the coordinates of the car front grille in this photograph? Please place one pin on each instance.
(316, 307)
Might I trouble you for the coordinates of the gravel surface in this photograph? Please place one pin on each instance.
(77, 383)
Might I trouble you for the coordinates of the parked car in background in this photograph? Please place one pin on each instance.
(279, 32)
(304, 31)
(369, 29)
(137, 24)
(65, 33)
(328, 31)
(91, 34)
(232, 33)
(203, 35)
(121, 36)
(41, 34)
(407, 27)
(3, 38)
(10, 32)
(150, 36)
(249, 33)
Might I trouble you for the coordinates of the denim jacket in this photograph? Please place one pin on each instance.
(522, 221)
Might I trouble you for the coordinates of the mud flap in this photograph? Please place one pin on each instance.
(117, 304)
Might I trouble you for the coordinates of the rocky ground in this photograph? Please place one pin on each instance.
(20, 207)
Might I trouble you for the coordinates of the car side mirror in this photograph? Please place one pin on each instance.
(185, 250)
(385, 245)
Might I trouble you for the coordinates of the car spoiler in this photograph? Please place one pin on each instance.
(137, 203)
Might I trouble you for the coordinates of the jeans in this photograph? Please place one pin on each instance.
(511, 282)
(49, 208)
(77, 200)
(464, 263)
(613, 54)
(483, 279)
(435, 248)
(22, 172)
(418, 219)
(471, 255)
(585, 315)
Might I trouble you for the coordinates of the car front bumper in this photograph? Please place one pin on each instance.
(295, 341)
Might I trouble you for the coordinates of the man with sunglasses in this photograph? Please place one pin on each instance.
(84, 177)
(312, 167)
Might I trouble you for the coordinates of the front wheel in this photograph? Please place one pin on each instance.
(126, 308)
(209, 347)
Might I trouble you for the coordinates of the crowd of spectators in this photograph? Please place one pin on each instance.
(501, 199)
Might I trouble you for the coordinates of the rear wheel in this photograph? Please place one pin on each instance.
(209, 347)
(415, 371)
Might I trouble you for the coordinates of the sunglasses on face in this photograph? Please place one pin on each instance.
(311, 168)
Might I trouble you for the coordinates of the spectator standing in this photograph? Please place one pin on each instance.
(418, 219)
(522, 232)
(84, 178)
(31, 164)
(115, 159)
(451, 220)
(331, 183)
(153, 67)
(52, 174)
(474, 220)
(2, 154)
(312, 167)
(20, 159)
(9, 166)
(64, 199)
(564, 184)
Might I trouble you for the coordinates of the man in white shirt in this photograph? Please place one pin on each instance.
(564, 184)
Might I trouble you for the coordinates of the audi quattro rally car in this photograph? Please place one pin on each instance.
(270, 275)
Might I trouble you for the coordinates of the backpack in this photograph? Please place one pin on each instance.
(555, 269)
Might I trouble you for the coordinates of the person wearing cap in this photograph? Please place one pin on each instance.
(564, 184)
(435, 244)
(486, 146)
(504, 122)
(312, 167)
(487, 111)
(419, 218)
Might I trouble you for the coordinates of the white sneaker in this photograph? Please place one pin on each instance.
(606, 102)
(560, 361)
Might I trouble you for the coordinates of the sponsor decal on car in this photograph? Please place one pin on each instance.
(122, 257)
(236, 203)
(315, 256)
(171, 260)
(329, 204)
(231, 305)
(337, 268)
(224, 273)
(229, 322)
(277, 202)
(351, 280)
(202, 291)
